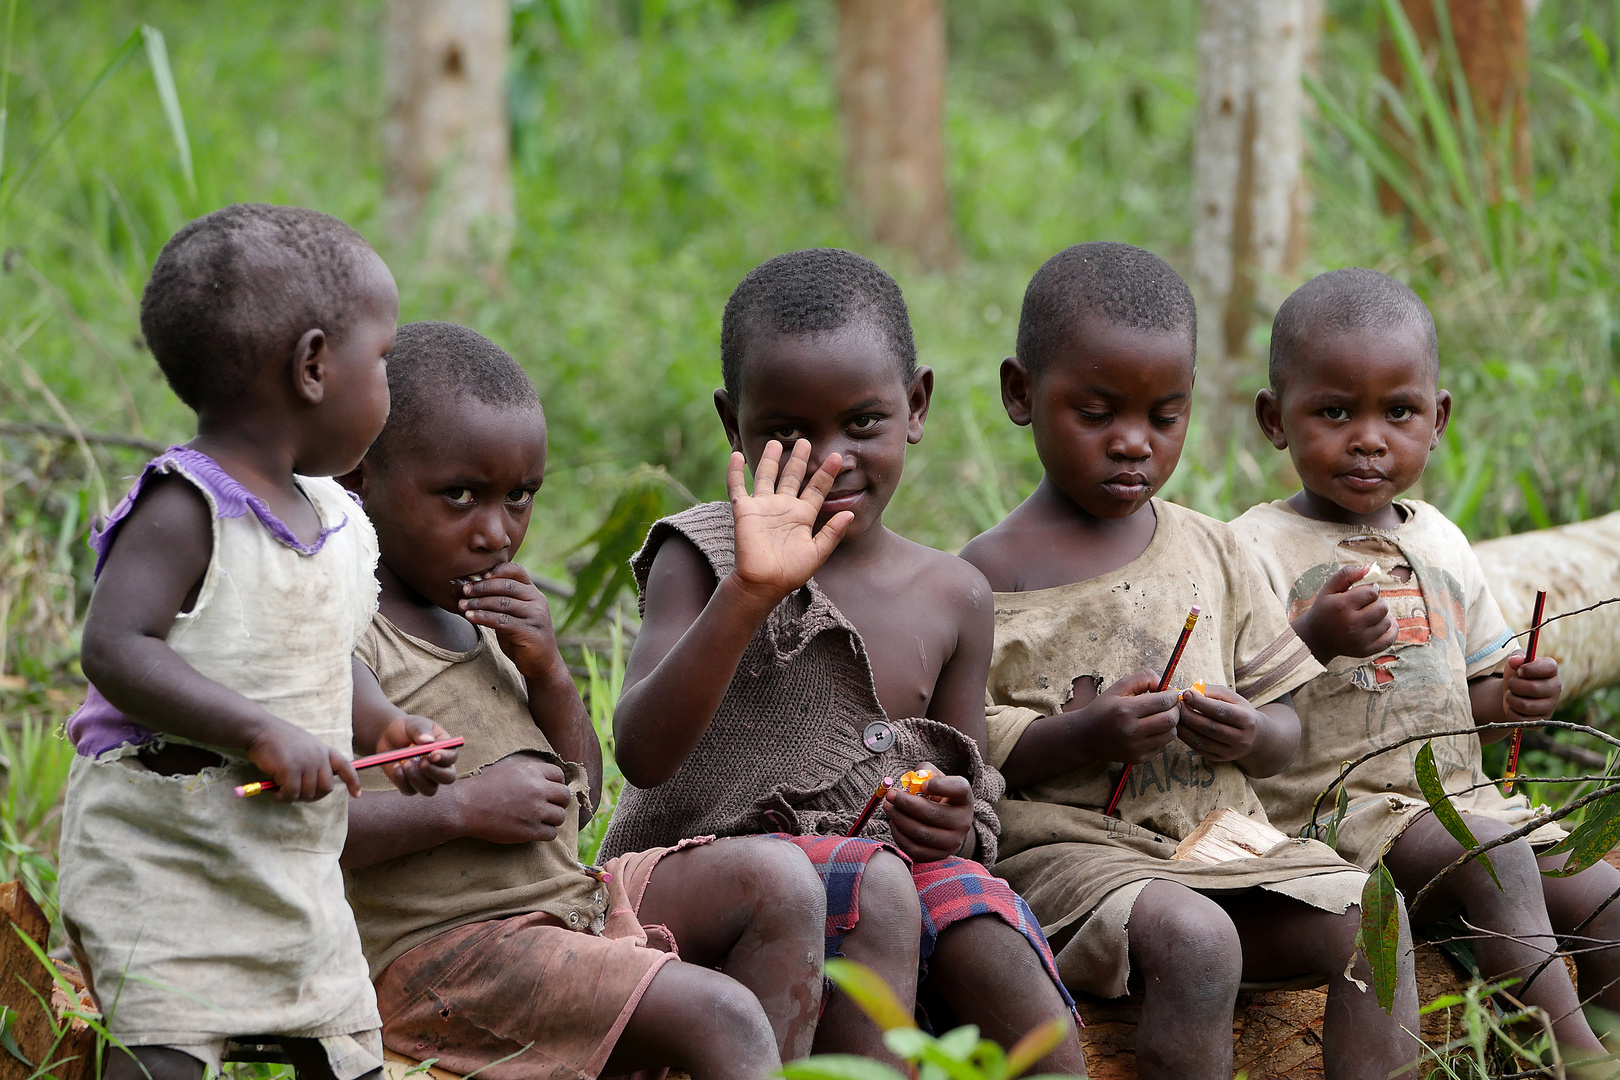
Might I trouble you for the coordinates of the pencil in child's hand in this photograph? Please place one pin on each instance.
(604, 876)
(401, 754)
(1529, 655)
(871, 804)
(1164, 684)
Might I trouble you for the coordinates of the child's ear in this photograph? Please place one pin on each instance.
(1268, 411)
(1017, 391)
(728, 420)
(918, 395)
(1442, 416)
(309, 367)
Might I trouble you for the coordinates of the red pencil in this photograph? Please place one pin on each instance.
(365, 763)
(871, 804)
(1529, 655)
(1164, 684)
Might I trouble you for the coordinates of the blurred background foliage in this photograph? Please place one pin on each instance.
(664, 147)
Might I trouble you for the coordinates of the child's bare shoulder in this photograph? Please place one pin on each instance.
(948, 577)
(998, 552)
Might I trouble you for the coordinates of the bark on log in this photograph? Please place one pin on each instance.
(1578, 565)
(446, 139)
(22, 977)
(1251, 203)
(891, 90)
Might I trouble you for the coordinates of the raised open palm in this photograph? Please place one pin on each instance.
(777, 547)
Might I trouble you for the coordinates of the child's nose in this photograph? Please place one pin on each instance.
(1132, 442)
(1368, 439)
(489, 532)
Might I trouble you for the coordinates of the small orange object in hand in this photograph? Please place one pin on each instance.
(1198, 686)
(913, 782)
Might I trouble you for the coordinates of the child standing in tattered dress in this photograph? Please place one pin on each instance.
(232, 584)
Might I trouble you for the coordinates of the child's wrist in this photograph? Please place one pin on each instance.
(756, 601)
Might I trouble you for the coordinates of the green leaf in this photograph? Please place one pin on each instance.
(1036, 1044)
(1593, 838)
(837, 1067)
(1380, 934)
(157, 57)
(909, 1043)
(648, 494)
(868, 990)
(960, 1042)
(1428, 779)
(7, 1017)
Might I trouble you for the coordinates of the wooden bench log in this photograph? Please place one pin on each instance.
(25, 982)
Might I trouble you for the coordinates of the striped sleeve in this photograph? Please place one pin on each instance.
(1268, 658)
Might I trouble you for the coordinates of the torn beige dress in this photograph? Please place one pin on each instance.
(1450, 630)
(1080, 870)
(199, 915)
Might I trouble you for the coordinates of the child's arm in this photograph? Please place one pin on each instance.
(508, 602)
(152, 573)
(517, 799)
(924, 829)
(380, 726)
(1346, 619)
(1128, 722)
(1222, 726)
(1528, 692)
(694, 630)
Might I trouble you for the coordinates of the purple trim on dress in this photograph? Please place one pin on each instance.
(231, 500)
(98, 726)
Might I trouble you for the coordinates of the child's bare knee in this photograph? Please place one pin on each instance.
(787, 883)
(887, 904)
(1178, 935)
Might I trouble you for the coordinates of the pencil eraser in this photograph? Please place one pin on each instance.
(1196, 609)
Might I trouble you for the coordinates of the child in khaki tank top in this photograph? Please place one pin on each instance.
(233, 582)
(493, 948)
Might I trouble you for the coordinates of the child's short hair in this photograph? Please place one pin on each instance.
(1350, 299)
(241, 284)
(1119, 283)
(813, 291)
(435, 362)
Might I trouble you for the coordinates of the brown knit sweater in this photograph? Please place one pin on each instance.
(784, 751)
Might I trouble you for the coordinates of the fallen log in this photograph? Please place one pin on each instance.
(1578, 565)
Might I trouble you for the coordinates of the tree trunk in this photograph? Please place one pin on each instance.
(1578, 565)
(1493, 44)
(446, 139)
(891, 87)
(1251, 205)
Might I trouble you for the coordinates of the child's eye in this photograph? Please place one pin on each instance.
(863, 423)
(460, 496)
(520, 498)
(786, 435)
(1335, 412)
(1093, 417)
(1402, 412)
(1167, 421)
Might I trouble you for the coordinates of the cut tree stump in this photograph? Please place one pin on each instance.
(24, 983)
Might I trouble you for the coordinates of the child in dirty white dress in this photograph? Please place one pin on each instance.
(233, 582)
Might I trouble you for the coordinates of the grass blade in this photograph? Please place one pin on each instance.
(157, 55)
(123, 53)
